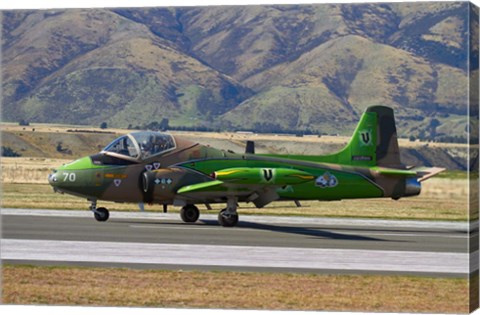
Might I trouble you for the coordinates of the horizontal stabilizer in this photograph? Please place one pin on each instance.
(425, 173)
(422, 173)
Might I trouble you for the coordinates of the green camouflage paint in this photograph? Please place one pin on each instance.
(186, 172)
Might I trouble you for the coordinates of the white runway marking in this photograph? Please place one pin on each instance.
(242, 256)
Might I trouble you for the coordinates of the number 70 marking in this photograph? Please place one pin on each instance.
(69, 177)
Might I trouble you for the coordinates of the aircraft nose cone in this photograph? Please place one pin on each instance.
(52, 178)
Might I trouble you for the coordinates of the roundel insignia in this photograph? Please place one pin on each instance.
(327, 180)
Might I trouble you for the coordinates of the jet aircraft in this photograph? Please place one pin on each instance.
(154, 167)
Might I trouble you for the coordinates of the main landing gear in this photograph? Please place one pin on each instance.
(100, 214)
(189, 214)
(228, 217)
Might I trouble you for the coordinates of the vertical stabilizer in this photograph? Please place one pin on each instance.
(388, 153)
(373, 143)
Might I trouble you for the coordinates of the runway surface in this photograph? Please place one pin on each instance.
(292, 244)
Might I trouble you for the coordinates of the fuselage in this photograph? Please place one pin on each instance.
(130, 174)
(154, 167)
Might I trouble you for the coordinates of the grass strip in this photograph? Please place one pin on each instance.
(436, 205)
(24, 284)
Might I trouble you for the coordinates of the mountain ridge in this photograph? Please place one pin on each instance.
(265, 67)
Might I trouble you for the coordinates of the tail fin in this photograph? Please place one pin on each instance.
(374, 141)
(388, 153)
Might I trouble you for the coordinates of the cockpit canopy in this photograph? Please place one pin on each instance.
(140, 145)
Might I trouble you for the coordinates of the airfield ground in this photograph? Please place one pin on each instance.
(237, 290)
(442, 199)
(24, 186)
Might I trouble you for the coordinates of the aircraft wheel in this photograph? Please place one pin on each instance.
(189, 214)
(101, 214)
(227, 220)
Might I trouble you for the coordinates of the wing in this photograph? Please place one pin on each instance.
(258, 185)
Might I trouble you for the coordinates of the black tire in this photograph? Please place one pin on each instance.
(101, 214)
(227, 221)
(189, 214)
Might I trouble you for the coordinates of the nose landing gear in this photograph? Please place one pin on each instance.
(101, 214)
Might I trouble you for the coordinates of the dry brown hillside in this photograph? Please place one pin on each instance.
(290, 68)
